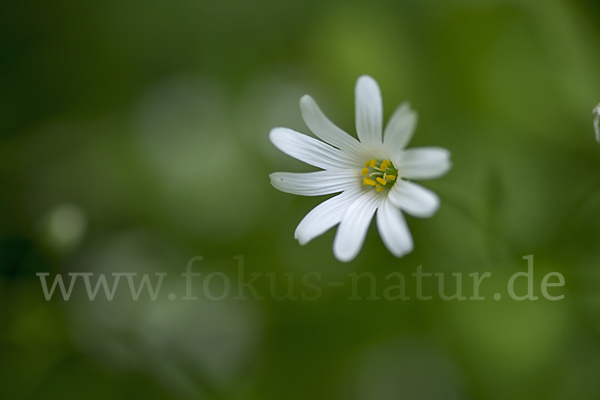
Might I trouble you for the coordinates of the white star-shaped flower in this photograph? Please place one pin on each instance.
(373, 174)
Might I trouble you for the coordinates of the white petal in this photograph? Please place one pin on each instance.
(310, 150)
(351, 233)
(423, 162)
(324, 216)
(597, 124)
(315, 183)
(393, 229)
(326, 130)
(414, 199)
(400, 128)
(369, 111)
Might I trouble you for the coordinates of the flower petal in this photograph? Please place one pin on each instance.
(414, 199)
(393, 229)
(597, 123)
(309, 150)
(423, 162)
(369, 111)
(315, 183)
(351, 233)
(400, 128)
(324, 216)
(326, 130)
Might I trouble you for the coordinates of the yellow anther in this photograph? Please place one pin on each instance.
(381, 180)
(365, 171)
(380, 188)
(370, 182)
(384, 165)
(372, 163)
(390, 177)
(368, 163)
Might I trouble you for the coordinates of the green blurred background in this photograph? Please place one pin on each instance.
(134, 137)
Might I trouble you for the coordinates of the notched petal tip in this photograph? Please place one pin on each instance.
(302, 241)
(394, 230)
(306, 99)
(300, 237)
(366, 79)
(275, 177)
(309, 107)
(414, 199)
(445, 162)
(279, 136)
(326, 130)
(400, 253)
(274, 134)
(367, 89)
(368, 111)
(343, 257)
(405, 107)
(400, 127)
(423, 162)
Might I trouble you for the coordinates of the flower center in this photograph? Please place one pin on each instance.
(379, 175)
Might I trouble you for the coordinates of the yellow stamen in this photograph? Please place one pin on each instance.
(370, 182)
(378, 178)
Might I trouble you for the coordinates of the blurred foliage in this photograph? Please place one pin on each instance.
(133, 137)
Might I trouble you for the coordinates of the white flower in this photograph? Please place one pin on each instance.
(596, 111)
(372, 174)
